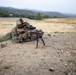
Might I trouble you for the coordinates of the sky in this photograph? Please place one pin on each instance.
(63, 6)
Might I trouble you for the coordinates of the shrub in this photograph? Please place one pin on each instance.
(38, 16)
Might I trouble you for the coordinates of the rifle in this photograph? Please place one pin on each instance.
(33, 30)
(38, 33)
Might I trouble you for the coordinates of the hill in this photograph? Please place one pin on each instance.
(30, 12)
(70, 15)
(11, 10)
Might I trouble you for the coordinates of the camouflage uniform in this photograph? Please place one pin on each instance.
(16, 34)
(19, 37)
(5, 37)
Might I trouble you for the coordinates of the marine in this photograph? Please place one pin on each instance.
(24, 32)
(20, 33)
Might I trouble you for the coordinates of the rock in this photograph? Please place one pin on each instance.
(7, 67)
(2, 45)
(49, 34)
(66, 64)
(54, 35)
(51, 70)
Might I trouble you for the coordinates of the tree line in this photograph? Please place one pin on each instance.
(37, 16)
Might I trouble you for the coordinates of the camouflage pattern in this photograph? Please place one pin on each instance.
(5, 37)
(23, 37)
(15, 36)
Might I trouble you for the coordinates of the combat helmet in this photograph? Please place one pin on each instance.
(20, 23)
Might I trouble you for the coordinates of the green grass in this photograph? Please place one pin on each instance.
(5, 37)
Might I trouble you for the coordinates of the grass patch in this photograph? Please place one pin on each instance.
(56, 32)
(60, 32)
(65, 32)
(5, 37)
(61, 20)
(74, 25)
(6, 24)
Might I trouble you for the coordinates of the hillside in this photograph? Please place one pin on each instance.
(30, 12)
(70, 15)
(17, 11)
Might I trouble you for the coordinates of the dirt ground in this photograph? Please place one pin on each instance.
(58, 57)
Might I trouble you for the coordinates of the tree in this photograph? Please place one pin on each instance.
(38, 16)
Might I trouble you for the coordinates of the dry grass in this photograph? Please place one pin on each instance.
(57, 25)
(62, 20)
